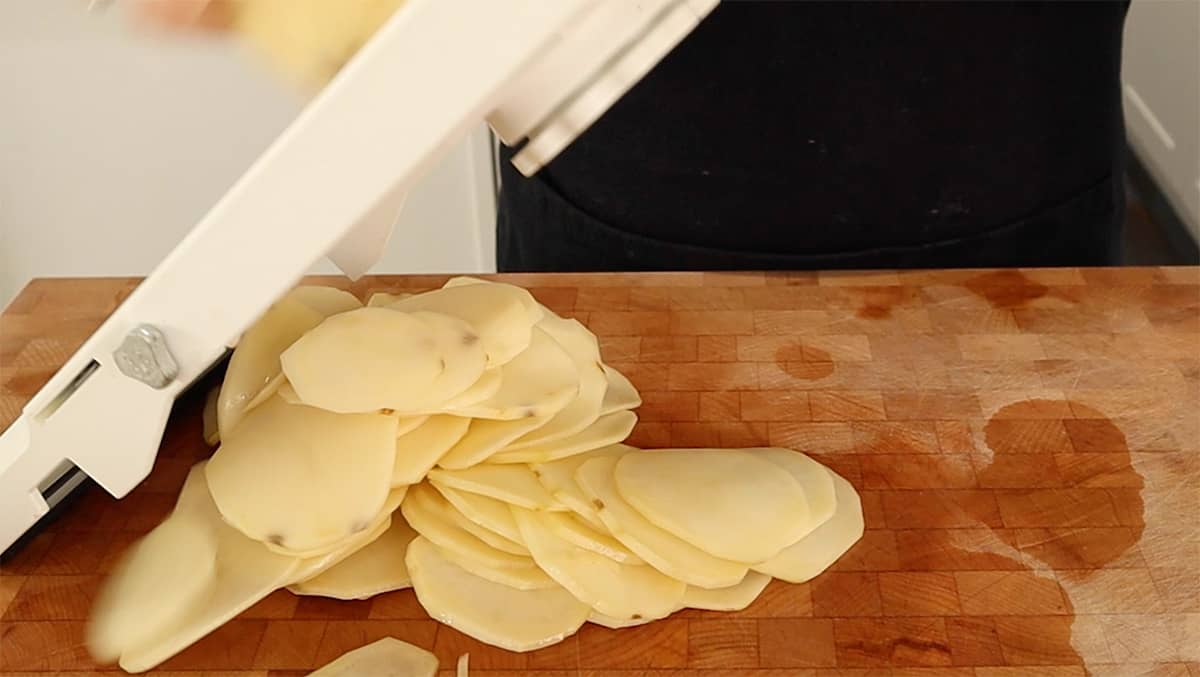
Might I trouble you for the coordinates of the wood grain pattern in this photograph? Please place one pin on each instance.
(1027, 446)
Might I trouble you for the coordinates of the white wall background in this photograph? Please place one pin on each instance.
(1162, 98)
(114, 142)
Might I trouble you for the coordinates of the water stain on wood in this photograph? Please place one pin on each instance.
(1006, 289)
(804, 362)
(878, 302)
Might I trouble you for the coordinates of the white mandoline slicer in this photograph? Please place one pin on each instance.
(332, 184)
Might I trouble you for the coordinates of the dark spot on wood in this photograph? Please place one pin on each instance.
(599, 505)
(874, 312)
(1006, 289)
(275, 539)
(804, 362)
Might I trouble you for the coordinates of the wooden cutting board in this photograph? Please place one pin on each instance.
(1027, 446)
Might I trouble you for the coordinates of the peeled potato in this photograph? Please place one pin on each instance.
(517, 620)
(256, 360)
(580, 344)
(612, 588)
(497, 311)
(813, 477)
(245, 573)
(376, 568)
(162, 578)
(302, 478)
(487, 437)
(540, 381)
(526, 577)
(559, 479)
(814, 553)
(429, 514)
(574, 530)
(367, 360)
(620, 394)
(325, 300)
(387, 657)
(418, 450)
(733, 598)
(482, 510)
(728, 502)
(661, 549)
(515, 484)
(605, 431)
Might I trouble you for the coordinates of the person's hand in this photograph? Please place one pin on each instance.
(210, 15)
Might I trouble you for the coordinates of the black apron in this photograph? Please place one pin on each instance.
(803, 135)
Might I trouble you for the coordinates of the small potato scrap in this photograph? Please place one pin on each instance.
(815, 552)
(303, 478)
(376, 568)
(387, 657)
(728, 502)
(661, 549)
(517, 620)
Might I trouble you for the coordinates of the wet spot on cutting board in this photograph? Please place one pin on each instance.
(877, 302)
(1006, 289)
(804, 362)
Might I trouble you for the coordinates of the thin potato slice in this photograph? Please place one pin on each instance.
(606, 431)
(574, 530)
(417, 451)
(404, 424)
(366, 360)
(482, 510)
(612, 588)
(517, 620)
(559, 479)
(484, 534)
(582, 412)
(538, 382)
(158, 582)
(813, 477)
(428, 513)
(607, 621)
(534, 310)
(733, 598)
(814, 553)
(325, 300)
(462, 354)
(515, 484)
(256, 360)
(497, 311)
(620, 394)
(487, 437)
(387, 657)
(302, 478)
(661, 549)
(377, 568)
(385, 299)
(314, 566)
(730, 503)
(245, 573)
(488, 385)
(528, 577)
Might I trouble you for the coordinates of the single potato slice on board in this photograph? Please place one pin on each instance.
(387, 657)
(325, 300)
(660, 549)
(605, 431)
(620, 395)
(733, 598)
(368, 360)
(728, 502)
(377, 568)
(255, 363)
(245, 573)
(517, 620)
(583, 411)
(512, 483)
(813, 477)
(418, 450)
(429, 514)
(612, 588)
(814, 553)
(499, 312)
(559, 479)
(485, 438)
(540, 381)
(528, 577)
(159, 581)
(303, 478)
(575, 530)
(483, 510)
